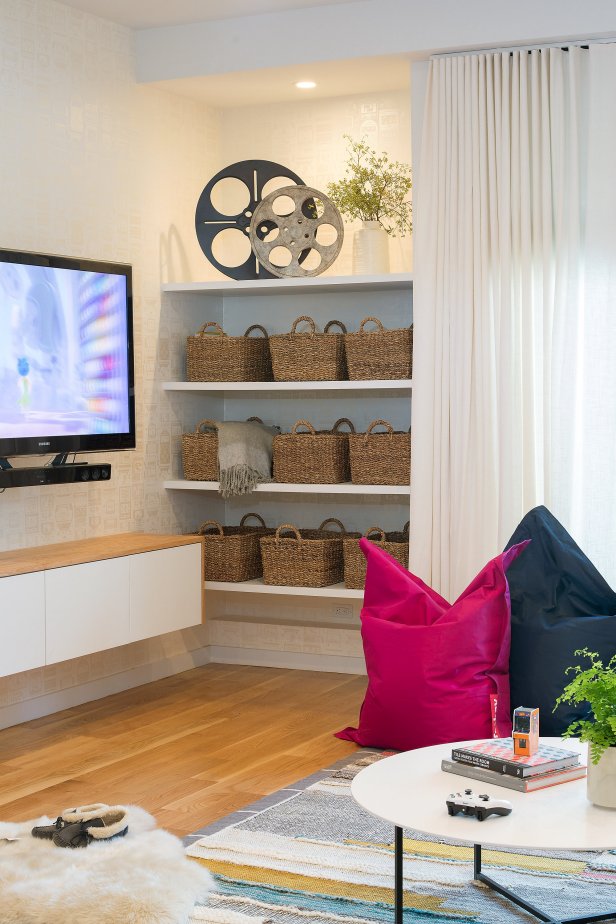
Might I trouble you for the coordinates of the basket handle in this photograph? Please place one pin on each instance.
(339, 323)
(209, 524)
(209, 424)
(203, 328)
(304, 317)
(373, 530)
(257, 327)
(405, 528)
(257, 419)
(303, 423)
(342, 420)
(365, 321)
(379, 423)
(290, 528)
(259, 518)
(333, 520)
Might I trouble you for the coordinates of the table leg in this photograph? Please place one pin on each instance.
(398, 887)
(546, 918)
(476, 861)
(481, 877)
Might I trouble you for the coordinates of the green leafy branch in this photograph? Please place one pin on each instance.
(595, 685)
(374, 189)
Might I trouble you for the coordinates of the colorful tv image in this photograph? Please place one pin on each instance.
(66, 377)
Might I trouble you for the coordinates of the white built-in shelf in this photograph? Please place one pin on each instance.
(284, 488)
(400, 385)
(257, 586)
(243, 287)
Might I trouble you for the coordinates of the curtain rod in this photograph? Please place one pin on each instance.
(582, 43)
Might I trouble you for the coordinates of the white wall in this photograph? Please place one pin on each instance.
(308, 137)
(102, 167)
(94, 165)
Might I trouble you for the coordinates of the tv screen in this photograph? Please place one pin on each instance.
(66, 355)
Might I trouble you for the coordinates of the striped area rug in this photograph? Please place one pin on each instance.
(309, 854)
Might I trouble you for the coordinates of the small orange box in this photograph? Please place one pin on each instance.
(525, 731)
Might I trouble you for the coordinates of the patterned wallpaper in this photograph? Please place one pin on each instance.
(94, 165)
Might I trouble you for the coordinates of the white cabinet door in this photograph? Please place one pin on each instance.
(165, 591)
(22, 623)
(86, 608)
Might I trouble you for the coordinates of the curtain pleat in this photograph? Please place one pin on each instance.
(498, 304)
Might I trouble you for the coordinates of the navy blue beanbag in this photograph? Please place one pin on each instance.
(559, 603)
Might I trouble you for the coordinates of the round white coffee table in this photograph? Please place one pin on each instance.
(409, 790)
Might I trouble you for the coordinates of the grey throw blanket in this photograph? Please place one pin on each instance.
(244, 456)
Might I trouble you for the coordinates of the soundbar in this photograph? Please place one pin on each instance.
(53, 474)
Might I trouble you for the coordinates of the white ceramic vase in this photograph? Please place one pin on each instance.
(601, 782)
(370, 249)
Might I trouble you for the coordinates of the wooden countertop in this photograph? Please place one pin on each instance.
(61, 554)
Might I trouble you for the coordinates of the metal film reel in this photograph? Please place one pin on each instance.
(296, 231)
(209, 221)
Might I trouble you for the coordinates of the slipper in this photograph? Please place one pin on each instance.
(69, 816)
(84, 812)
(106, 826)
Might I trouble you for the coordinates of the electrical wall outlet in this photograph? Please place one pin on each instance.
(344, 611)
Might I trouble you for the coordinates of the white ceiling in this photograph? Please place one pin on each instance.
(254, 87)
(146, 14)
(277, 85)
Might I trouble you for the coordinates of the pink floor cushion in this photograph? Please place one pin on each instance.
(437, 672)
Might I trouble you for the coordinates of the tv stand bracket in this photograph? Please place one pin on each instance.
(61, 459)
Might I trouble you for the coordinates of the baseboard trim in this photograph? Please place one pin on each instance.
(40, 706)
(49, 703)
(297, 660)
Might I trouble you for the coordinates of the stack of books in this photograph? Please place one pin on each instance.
(493, 761)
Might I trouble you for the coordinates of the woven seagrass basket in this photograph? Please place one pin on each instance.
(396, 543)
(221, 358)
(315, 457)
(200, 451)
(380, 458)
(309, 356)
(233, 553)
(306, 558)
(379, 354)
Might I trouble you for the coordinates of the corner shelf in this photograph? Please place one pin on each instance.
(400, 385)
(288, 488)
(256, 586)
(294, 286)
(274, 303)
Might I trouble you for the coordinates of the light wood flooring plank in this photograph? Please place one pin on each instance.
(189, 748)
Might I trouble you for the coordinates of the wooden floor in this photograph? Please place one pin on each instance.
(189, 749)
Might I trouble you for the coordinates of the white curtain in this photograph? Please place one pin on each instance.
(514, 375)
(588, 503)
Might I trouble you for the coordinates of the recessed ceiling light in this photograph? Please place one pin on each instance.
(305, 84)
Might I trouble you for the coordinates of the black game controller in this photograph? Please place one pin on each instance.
(479, 807)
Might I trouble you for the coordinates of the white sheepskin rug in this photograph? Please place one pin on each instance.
(142, 878)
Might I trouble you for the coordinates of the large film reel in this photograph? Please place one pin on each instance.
(295, 231)
(209, 222)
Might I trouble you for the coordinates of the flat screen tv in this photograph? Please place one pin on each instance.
(66, 355)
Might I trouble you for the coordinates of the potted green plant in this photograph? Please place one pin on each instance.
(595, 685)
(374, 190)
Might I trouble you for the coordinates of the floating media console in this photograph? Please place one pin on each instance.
(71, 599)
(53, 474)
